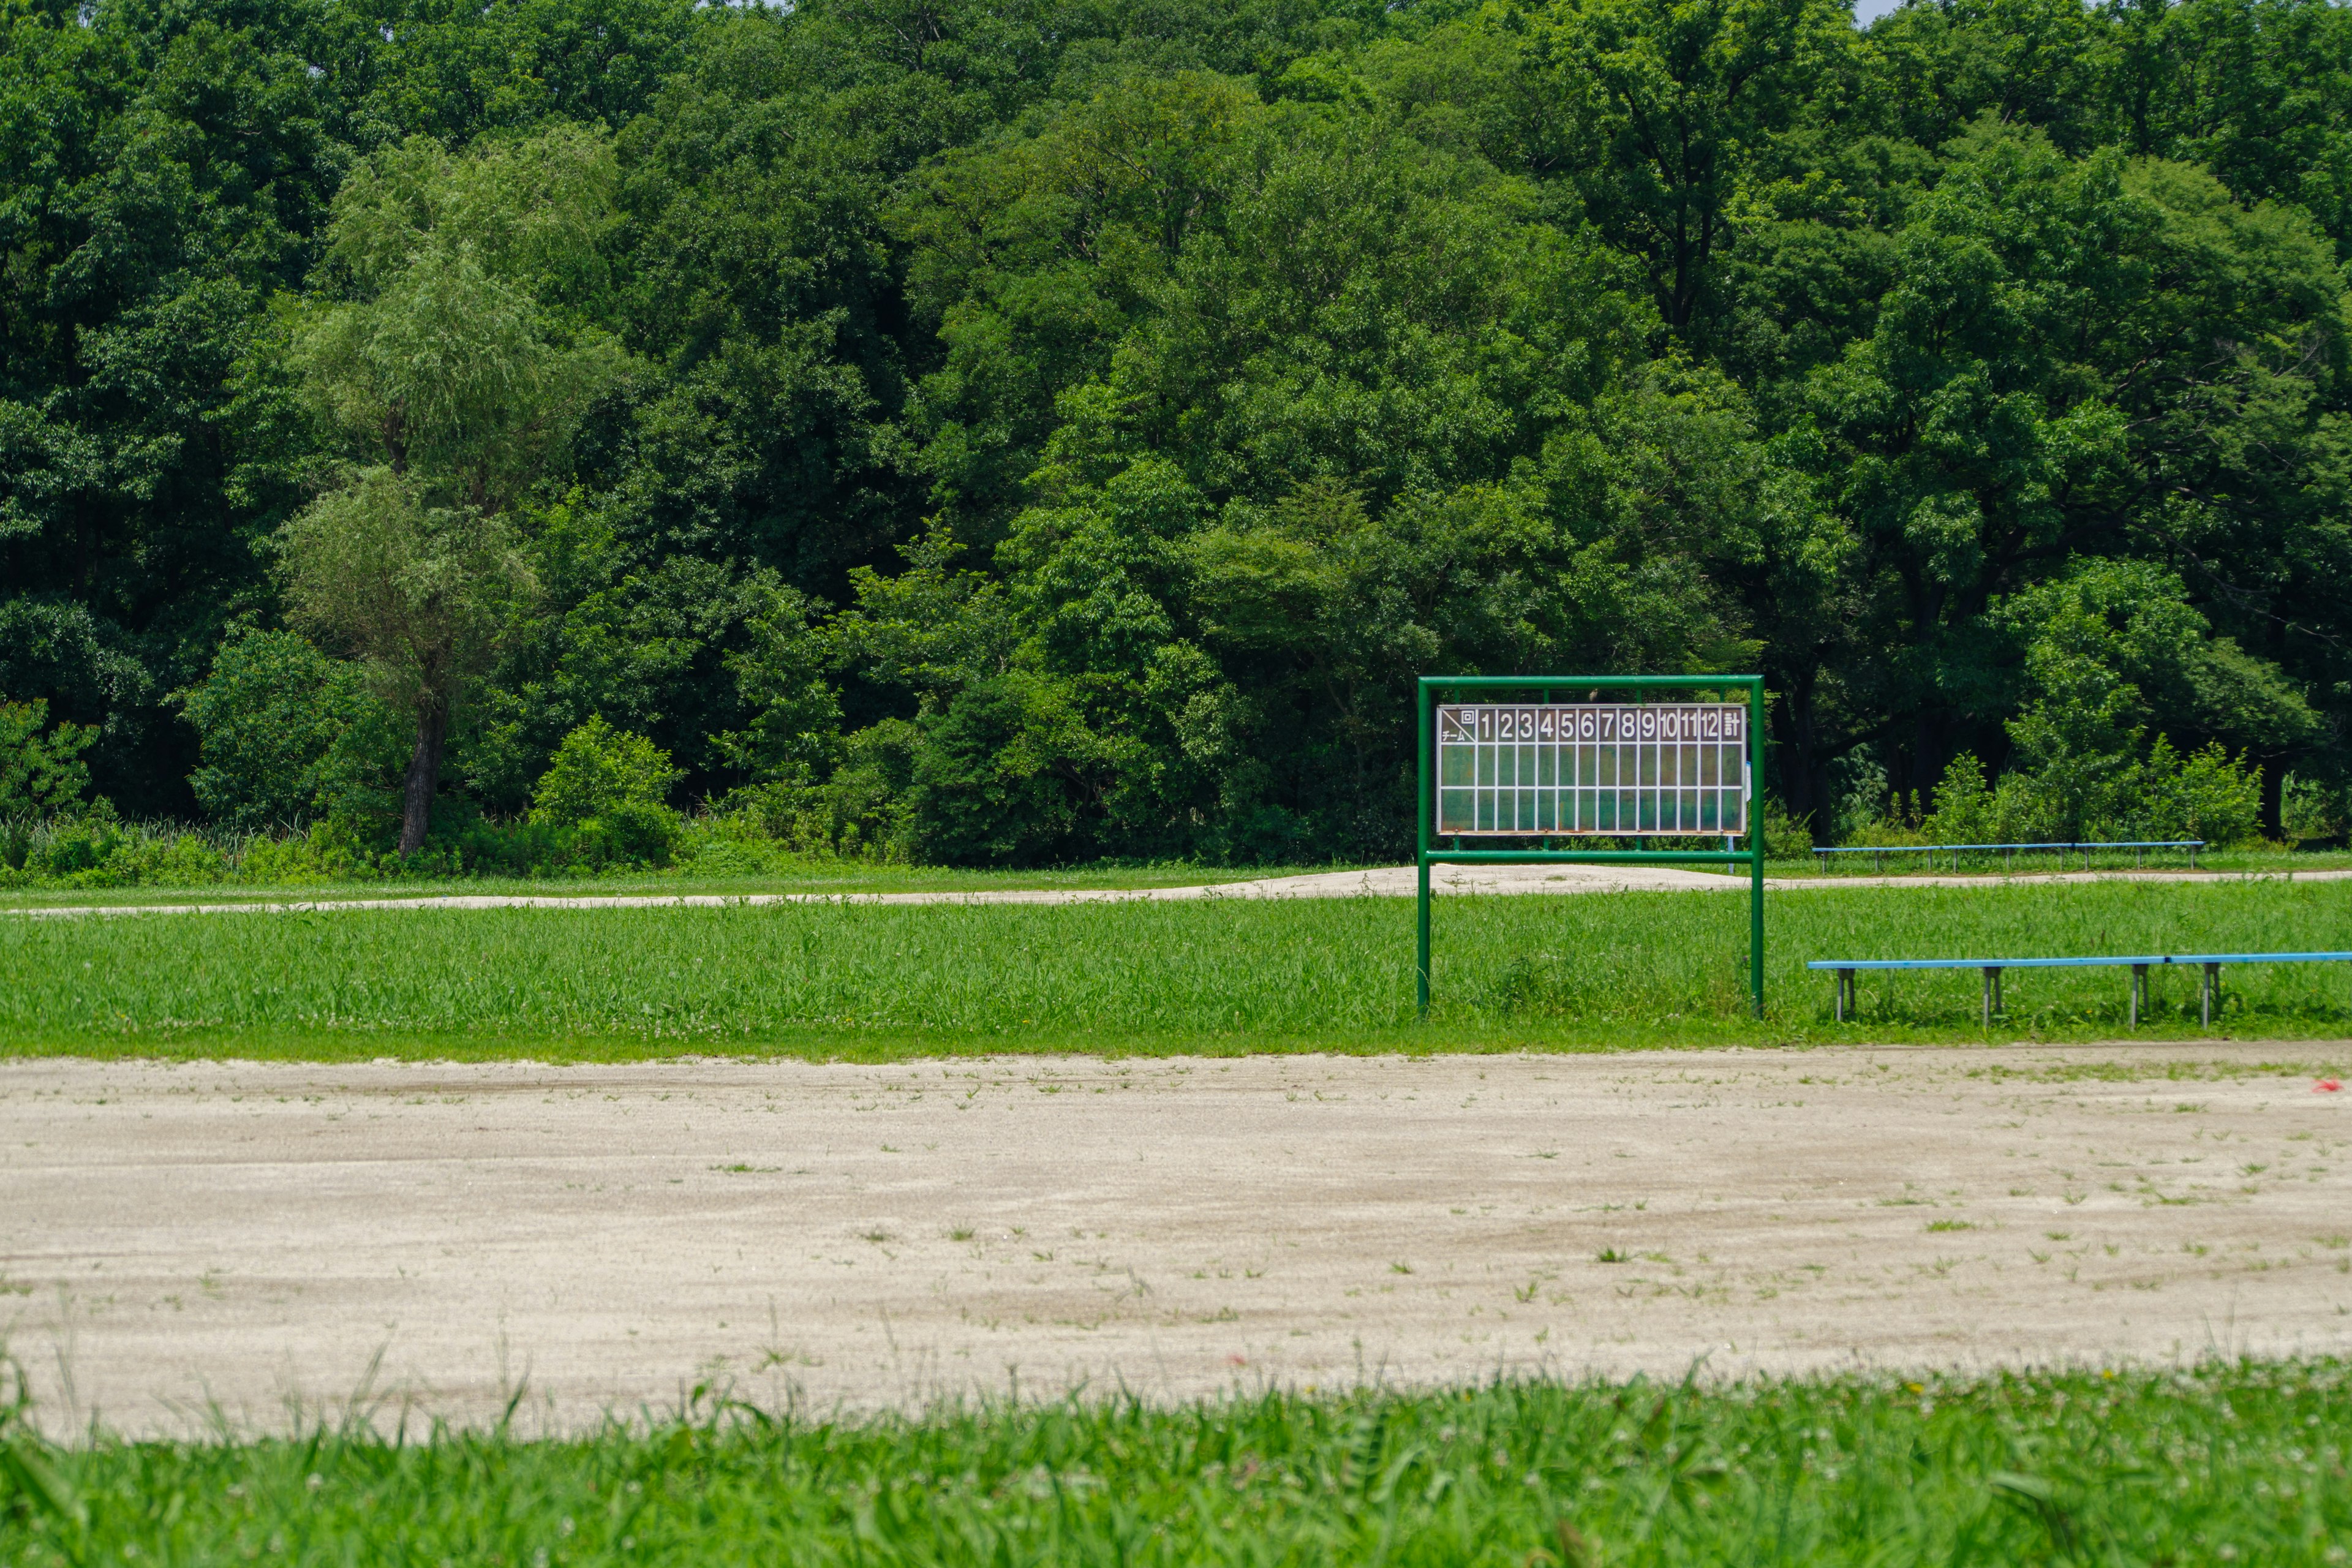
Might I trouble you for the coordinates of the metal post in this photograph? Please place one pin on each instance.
(2139, 992)
(2212, 983)
(1756, 842)
(1989, 974)
(1420, 964)
(1428, 811)
(1845, 992)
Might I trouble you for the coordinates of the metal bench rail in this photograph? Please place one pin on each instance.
(2209, 988)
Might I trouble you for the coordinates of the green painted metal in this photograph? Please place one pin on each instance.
(1432, 686)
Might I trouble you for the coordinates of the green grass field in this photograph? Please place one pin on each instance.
(877, 981)
(2238, 1463)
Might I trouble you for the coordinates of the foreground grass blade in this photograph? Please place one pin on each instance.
(2239, 1463)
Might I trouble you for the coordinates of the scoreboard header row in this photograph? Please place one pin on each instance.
(1558, 722)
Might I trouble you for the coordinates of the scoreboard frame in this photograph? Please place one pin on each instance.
(1558, 803)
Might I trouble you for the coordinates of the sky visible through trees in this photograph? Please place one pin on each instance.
(1016, 431)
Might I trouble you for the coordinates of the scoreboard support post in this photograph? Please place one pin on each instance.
(1432, 854)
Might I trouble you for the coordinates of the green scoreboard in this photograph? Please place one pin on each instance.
(1617, 769)
(1538, 776)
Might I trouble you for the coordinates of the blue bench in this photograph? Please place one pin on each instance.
(2209, 988)
(2138, 846)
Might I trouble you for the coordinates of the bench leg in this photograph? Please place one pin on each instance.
(2205, 992)
(2139, 992)
(1991, 983)
(1844, 987)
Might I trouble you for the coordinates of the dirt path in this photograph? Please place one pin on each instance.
(175, 1236)
(1380, 881)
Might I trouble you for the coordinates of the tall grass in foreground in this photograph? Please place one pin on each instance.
(1602, 968)
(2241, 1463)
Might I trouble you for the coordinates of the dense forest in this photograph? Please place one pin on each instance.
(1012, 431)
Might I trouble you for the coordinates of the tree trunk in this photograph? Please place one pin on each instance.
(2275, 797)
(1927, 758)
(1791, 723)
(424, 774)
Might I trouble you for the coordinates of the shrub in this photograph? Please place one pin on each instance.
(737, 843)
(1784, 834)
(1968, 812)
(864, 807)
(285, 732)
(2205, 795)
(2310, 808)
(91, 848)
(1900, 826)
(1003, 773)
(40, 773)
(336, 850)
(597, 770)
(610, 787)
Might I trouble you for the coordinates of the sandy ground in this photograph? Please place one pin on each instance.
(181, 1239)
(1380, 881)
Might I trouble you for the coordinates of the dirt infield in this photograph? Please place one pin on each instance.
(175, 1239)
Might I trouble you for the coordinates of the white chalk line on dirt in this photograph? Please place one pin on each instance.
(1385, 881)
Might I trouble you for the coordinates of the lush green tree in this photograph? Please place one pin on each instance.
(419, 593)
(456, 364)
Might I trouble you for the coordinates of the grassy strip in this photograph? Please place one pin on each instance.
(2244, 1462)
(1911, 861)
(813, 875)
(1594, 970)
(828, 875)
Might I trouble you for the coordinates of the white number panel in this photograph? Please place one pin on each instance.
(1600, 768)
